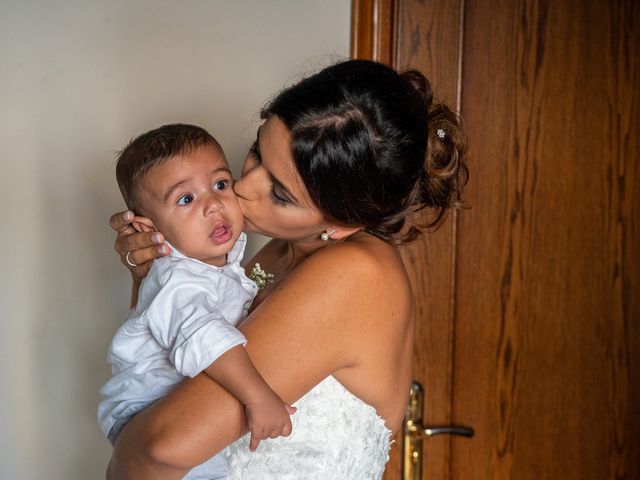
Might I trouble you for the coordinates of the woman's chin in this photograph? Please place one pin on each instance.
(250, 227)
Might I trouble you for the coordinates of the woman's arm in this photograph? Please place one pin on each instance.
(307, 329)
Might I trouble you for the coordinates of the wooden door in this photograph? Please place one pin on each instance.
(528, 303)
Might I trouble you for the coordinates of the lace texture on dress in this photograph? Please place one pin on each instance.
(336, 436)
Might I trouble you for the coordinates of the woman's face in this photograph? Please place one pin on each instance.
(272, 196)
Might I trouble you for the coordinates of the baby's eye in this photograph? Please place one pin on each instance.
(185, 199)
(221, 184)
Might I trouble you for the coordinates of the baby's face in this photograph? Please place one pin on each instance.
(190, 200)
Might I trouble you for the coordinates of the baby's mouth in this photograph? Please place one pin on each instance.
(221, 234)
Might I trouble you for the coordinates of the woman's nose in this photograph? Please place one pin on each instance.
(243, 187)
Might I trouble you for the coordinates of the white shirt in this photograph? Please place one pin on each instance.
(185, 319)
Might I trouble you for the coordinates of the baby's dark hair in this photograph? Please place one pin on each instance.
(151, 149)
(373, 148)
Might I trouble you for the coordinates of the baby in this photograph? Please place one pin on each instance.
(177, 178)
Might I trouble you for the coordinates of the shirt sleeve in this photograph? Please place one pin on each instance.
(184, 319)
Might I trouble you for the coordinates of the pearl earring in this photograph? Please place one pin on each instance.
(326, 235)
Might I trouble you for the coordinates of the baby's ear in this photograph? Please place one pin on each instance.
(143, 224)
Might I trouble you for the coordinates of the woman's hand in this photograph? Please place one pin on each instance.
(137, 250)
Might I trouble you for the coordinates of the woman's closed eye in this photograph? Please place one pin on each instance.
(278, 199)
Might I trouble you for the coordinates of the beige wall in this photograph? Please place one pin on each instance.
(77, 80)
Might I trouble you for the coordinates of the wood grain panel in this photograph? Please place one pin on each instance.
(373, 30)
(546, 361)
(428, 40)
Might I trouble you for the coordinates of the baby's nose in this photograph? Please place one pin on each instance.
(213, 204)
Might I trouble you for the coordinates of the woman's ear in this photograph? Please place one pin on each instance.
(143, 224)
(337, 232)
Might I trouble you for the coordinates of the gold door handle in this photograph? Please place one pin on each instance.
(414, 432)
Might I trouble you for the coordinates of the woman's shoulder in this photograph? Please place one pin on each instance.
(362, 254)
(367, 267)
(369, 297)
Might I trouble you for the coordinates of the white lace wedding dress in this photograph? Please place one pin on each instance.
(336, 436)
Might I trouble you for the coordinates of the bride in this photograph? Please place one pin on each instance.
(341, 164)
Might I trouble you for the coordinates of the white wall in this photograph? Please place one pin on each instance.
(78, 79)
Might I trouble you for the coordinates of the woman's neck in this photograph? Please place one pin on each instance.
(297, 251)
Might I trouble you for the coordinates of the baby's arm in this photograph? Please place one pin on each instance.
(184, 318)
(267, 414)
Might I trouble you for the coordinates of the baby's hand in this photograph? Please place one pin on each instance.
(268, 417)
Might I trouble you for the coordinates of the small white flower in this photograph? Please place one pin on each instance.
(440, 132)
(262, 278)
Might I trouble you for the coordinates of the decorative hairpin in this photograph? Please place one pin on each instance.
(441, 134)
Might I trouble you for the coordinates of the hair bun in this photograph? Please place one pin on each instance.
(446, 172)
(421, 84)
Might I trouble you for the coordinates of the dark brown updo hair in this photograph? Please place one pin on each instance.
(373, 148)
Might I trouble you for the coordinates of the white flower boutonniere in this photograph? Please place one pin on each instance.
(262, 278)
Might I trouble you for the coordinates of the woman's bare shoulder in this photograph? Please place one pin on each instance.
(365, 257)
(371, 305)
(365, 277)
(361, 278)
